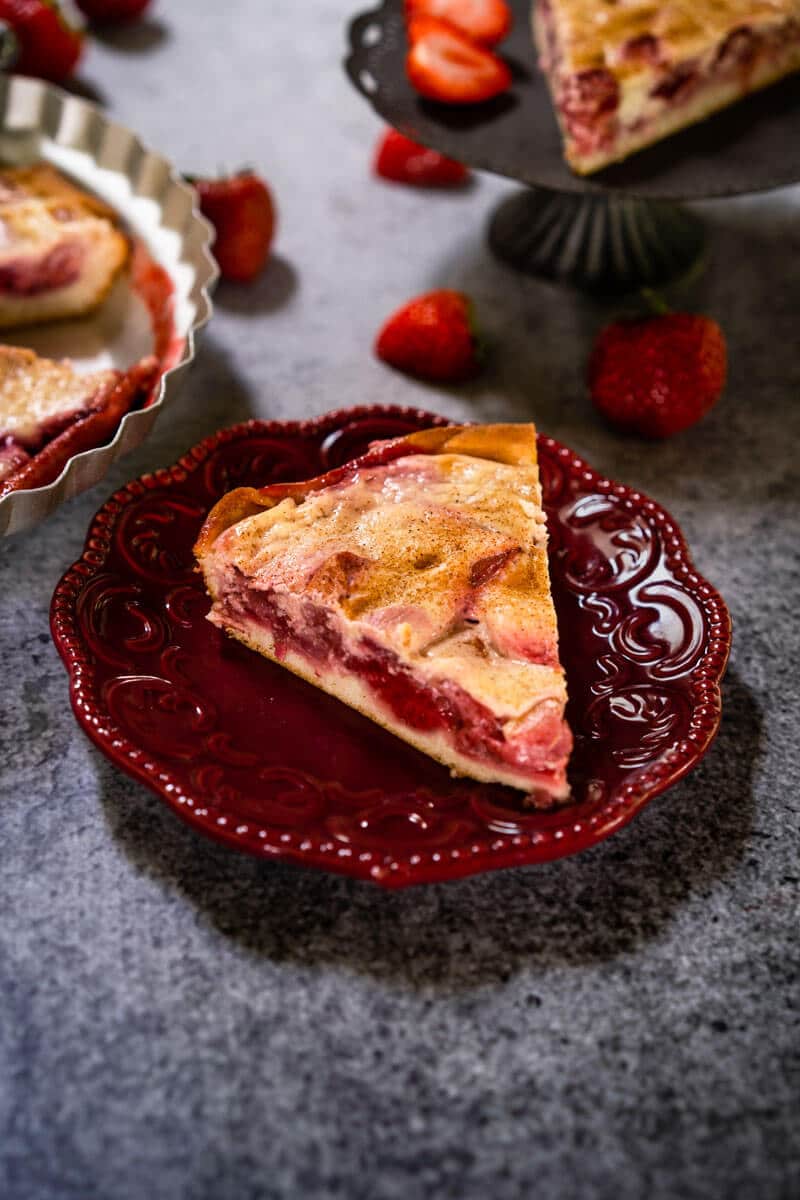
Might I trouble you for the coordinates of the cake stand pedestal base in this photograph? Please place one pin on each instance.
(607, 245)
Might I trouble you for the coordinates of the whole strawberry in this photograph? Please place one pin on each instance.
(241, 209)
(112, 12)
(433, 338)
(658, 375)
(38, 40)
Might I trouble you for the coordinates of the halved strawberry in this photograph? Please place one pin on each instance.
(485, 21)
(443, 64)
(404, 161)
(420, 25)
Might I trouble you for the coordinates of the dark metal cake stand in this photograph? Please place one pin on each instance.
(616, 231)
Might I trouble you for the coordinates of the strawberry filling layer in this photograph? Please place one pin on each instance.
(540, 743)
(33, 275)
(51, 428)
(588, 103)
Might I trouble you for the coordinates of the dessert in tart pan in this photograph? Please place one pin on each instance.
(105, 274)
(250, 754)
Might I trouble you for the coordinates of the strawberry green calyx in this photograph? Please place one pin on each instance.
(657, 304)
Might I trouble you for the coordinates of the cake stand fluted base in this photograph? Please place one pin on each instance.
(604, 244)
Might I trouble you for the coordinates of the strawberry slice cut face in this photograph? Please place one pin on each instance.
(444, 65)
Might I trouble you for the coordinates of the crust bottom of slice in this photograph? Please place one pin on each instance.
(350, 690)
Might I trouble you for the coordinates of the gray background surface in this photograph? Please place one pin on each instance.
(179, 1021)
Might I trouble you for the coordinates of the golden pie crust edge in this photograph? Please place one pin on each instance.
(514, 445)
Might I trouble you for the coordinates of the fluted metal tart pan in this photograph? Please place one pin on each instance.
(39, 122)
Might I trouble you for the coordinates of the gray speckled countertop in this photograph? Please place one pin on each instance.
(177, 1021)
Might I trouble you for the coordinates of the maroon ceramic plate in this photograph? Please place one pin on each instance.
(250, 754)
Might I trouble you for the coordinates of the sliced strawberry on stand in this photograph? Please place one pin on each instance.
(658, 375)
(35, 39)
(484, 21)
(402, 160)
(420, 26)
(433, 338)
(444, 65)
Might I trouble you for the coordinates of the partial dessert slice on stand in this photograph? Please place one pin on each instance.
(413, 585)
(625, 75)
